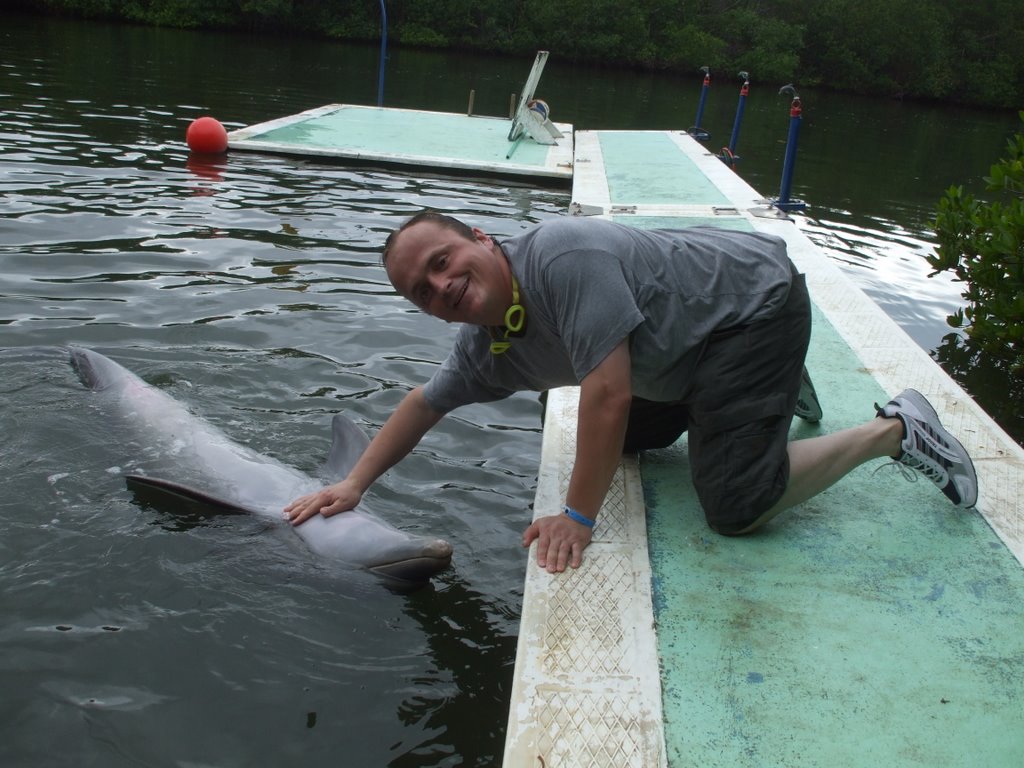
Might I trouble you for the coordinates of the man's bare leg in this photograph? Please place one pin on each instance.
(816, 463)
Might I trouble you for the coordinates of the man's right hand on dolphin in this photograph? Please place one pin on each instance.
(328, 501)
(400, 434)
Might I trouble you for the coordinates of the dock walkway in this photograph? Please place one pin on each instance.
(874, 625)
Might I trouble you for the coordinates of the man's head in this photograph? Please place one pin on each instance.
(441, 219)
(449, 270)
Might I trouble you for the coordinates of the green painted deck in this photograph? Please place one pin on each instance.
(645, 168)
(873, 625)
(438, 140)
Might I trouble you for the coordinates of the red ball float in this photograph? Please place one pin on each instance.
(207, 136)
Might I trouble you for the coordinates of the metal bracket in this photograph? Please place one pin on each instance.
(583, 209)
(769, 212)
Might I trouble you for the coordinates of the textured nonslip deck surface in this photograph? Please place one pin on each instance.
(438, 140)
(874, 625)
(586, 689)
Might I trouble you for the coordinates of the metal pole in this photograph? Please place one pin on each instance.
(795, 118)
(744, 91)
(383, 53)
(696, 131)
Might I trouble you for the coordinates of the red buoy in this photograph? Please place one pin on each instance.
(207, 135)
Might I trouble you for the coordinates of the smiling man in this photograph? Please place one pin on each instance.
(697, 330)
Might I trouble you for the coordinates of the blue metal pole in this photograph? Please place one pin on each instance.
(383, 53)
(700, 105)
(695, 130)
(795, 118)
(744, 90)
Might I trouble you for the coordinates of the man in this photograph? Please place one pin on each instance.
(700, 330)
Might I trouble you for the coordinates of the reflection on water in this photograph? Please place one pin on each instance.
(888, 263)
(250, 287)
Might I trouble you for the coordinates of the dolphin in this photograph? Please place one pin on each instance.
(214, 470)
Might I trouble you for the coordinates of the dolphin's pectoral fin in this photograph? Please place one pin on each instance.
(348, 442)
(163, 493)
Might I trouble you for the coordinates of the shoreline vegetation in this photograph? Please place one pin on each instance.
(945, 51)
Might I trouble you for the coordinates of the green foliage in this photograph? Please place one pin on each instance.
(982, 243)
(768, 46)
(952, 50)
(689, 47)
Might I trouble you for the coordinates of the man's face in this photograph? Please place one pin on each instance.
(450, 277)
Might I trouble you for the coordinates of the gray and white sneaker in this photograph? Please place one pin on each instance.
(807, 406)
(929, 449)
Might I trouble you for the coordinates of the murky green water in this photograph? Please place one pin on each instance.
(251, 289)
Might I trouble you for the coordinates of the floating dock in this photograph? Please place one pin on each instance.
(526, 144)
(874, 625)
(439, 141)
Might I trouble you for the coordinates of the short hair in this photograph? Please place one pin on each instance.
(441, 219)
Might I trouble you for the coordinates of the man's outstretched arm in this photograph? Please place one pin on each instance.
(400, 434)
(605, 396)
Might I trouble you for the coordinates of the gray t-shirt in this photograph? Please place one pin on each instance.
(587, 284)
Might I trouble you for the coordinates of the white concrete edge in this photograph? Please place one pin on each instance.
(243, 134)
(438, 164)
(589, 170)
(587, 687)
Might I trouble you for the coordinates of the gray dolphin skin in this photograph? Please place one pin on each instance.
(211, 468)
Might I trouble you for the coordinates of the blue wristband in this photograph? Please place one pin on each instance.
(572, 514)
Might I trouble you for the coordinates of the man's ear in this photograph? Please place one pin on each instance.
(481, 236)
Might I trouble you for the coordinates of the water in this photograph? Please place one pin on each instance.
(251, 290)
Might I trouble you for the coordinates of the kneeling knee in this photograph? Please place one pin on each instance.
(738, 516)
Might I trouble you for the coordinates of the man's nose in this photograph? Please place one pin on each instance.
(441, 283)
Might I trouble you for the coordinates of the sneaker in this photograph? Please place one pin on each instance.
(929, 449)
(807, 406)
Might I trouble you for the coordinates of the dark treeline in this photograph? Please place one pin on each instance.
(944, 50)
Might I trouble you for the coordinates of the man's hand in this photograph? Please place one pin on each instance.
(399, 435)
(328, 501)
(605, 396)
(560, 542)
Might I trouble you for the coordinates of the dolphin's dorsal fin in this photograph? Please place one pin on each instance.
(348, 442)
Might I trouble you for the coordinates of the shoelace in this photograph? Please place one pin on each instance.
(934, 474)
(909, 466)
(908, 473)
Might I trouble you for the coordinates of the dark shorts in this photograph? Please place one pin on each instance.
(737, 414)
